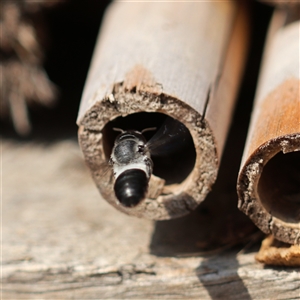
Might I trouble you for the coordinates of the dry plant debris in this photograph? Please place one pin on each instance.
(24, 80)
(276, 253)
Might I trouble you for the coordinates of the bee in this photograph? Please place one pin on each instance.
(131, 158)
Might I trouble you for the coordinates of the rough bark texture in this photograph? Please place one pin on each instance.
(163, 61)
(269, 179)
(60, 241)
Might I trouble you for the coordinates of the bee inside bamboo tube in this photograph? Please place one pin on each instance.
(158, 102)
(136, 155)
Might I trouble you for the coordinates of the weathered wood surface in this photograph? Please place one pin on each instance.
(181, 59)
(269, 180)
(61, 241)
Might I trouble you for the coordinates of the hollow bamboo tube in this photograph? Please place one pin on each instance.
(269, 178)
(183, 60)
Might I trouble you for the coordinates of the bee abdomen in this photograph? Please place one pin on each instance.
(131, 187)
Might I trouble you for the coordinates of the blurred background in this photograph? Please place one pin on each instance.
(59, 37)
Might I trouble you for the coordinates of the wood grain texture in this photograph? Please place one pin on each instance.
(269, 178)
(169, 58)
(60, 241)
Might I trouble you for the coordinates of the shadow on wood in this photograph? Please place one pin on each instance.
(223, 287)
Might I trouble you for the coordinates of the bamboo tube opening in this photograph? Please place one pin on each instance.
(182, 60)
(279, 186)
(165, 166)
(268, 183)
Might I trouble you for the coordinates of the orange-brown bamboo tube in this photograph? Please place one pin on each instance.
(183, 60)
(269, 179)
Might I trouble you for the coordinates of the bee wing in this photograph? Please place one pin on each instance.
(106, 170)
(171, 137)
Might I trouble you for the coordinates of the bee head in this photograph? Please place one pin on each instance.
(133, 135)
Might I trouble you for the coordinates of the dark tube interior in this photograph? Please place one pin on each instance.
(279, 187)
(174, 166)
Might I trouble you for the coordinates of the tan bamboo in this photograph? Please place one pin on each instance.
(269, 179)
(181, 59)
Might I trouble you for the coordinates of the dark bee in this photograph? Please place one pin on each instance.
(131, 158)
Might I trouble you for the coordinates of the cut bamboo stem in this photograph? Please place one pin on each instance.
(152, 59)
(269, 179)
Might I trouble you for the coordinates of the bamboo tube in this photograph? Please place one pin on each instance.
(269, 179)
(152, 59)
